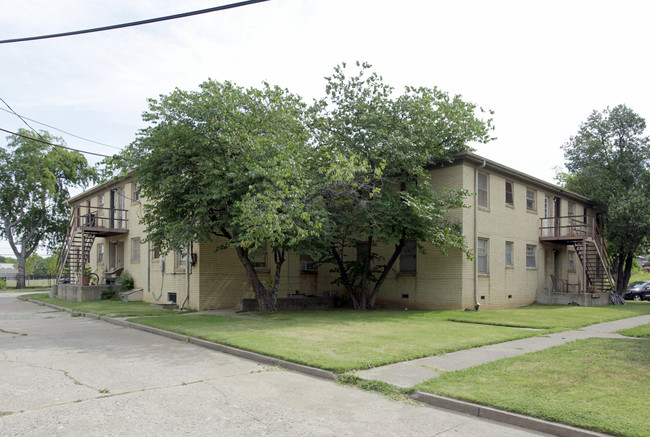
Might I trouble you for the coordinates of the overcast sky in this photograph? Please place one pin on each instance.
(543, 67)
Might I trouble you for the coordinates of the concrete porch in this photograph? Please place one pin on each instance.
(547, 297)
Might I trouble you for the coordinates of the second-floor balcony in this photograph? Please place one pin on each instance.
(103, 222)
(568, 228)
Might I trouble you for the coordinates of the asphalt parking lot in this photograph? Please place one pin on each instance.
(64, 375)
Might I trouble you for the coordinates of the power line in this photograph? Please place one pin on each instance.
(135, 23)
(52, 144)
(57, 129)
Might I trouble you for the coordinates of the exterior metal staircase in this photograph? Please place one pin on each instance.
(80, 237)
(583, 233)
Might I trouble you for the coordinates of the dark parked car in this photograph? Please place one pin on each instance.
(639, 290)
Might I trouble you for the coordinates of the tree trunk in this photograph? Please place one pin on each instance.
(349, 287)
(387, 268)
(20, 279)
(623, 270)
(267, 300)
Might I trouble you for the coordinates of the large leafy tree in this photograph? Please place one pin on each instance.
(609, 161)
(397, 137)
(232, 164)
(34, 181)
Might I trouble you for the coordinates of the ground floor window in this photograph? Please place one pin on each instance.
(509, 246)
(531, 260)
(482, 256)
(408, 261)
(571, 265)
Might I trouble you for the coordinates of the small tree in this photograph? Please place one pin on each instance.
(34, 182)
(392, 202)
(609, 162)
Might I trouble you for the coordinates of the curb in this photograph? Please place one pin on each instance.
(437, 401)
(503, 416)
(253, 356)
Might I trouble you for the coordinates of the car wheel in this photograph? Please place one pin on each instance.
(637, 297)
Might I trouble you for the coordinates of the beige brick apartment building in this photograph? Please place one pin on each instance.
(528, 237)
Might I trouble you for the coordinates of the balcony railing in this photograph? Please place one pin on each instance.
(568, 227)
(100, 218)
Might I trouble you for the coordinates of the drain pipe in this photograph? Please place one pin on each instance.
(188, 257)
(477, 304)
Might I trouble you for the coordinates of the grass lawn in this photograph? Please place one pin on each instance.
(20, 290)
(599, 384)
(639, 331)
(345, 340)
(108, 308)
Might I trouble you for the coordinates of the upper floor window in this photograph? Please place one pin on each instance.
(483, 198)
(135, 195)
(571, 210)
(510, 198)
(531, 199)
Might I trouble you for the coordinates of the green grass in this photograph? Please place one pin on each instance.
(347, 340)
(20, 290)
(639, 331)
(599, 384)
(555, 318)
(108, 308)
(639, 276)
(341, 340)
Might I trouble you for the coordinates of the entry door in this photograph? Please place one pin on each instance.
(548, 217)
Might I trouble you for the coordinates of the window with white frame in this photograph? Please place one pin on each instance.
(180, 260)
(408, 261)
(135, 249)
(510, 196)
(482, 256)
(531, 257)
(135, 192)
(509, 251)
(531, 199)
(483, 193)
(571, 210)
(100, 253)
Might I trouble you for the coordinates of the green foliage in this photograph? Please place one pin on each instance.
(609, 162)
(3, 283)
(393, 200)
(125, 281)
(109, 293)
(34, 182)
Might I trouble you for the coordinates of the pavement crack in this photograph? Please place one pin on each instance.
(446, 430)
(12, 333)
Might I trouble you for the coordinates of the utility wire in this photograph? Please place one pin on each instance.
(56, 128)
(55, 145)
(135, 23)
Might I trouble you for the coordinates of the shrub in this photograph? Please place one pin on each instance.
(109, 293)
(125, 281)
(3, 283)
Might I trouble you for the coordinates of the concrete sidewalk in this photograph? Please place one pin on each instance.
(409, 373)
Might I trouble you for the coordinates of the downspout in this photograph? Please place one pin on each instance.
(477, 304)
(148, 266)
(187, 275)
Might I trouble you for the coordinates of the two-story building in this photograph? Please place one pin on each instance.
(530, 238)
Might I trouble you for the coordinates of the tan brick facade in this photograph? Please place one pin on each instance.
(507, 232)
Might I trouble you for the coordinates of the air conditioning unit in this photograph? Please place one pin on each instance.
(307, 266)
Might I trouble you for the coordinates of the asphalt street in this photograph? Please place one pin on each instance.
(63, 376)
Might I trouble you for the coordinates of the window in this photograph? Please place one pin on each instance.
(100, 253)
(135, 250)
(258, 258)
(307, 264)
(482, 257)
(510, 198)
(408, 261)
(531, 199)
(155, 252)
(135, 192)
(180, 260)
(571, 265)
(483, 190)
(531, 261)
(571, 211)
(509, 246)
